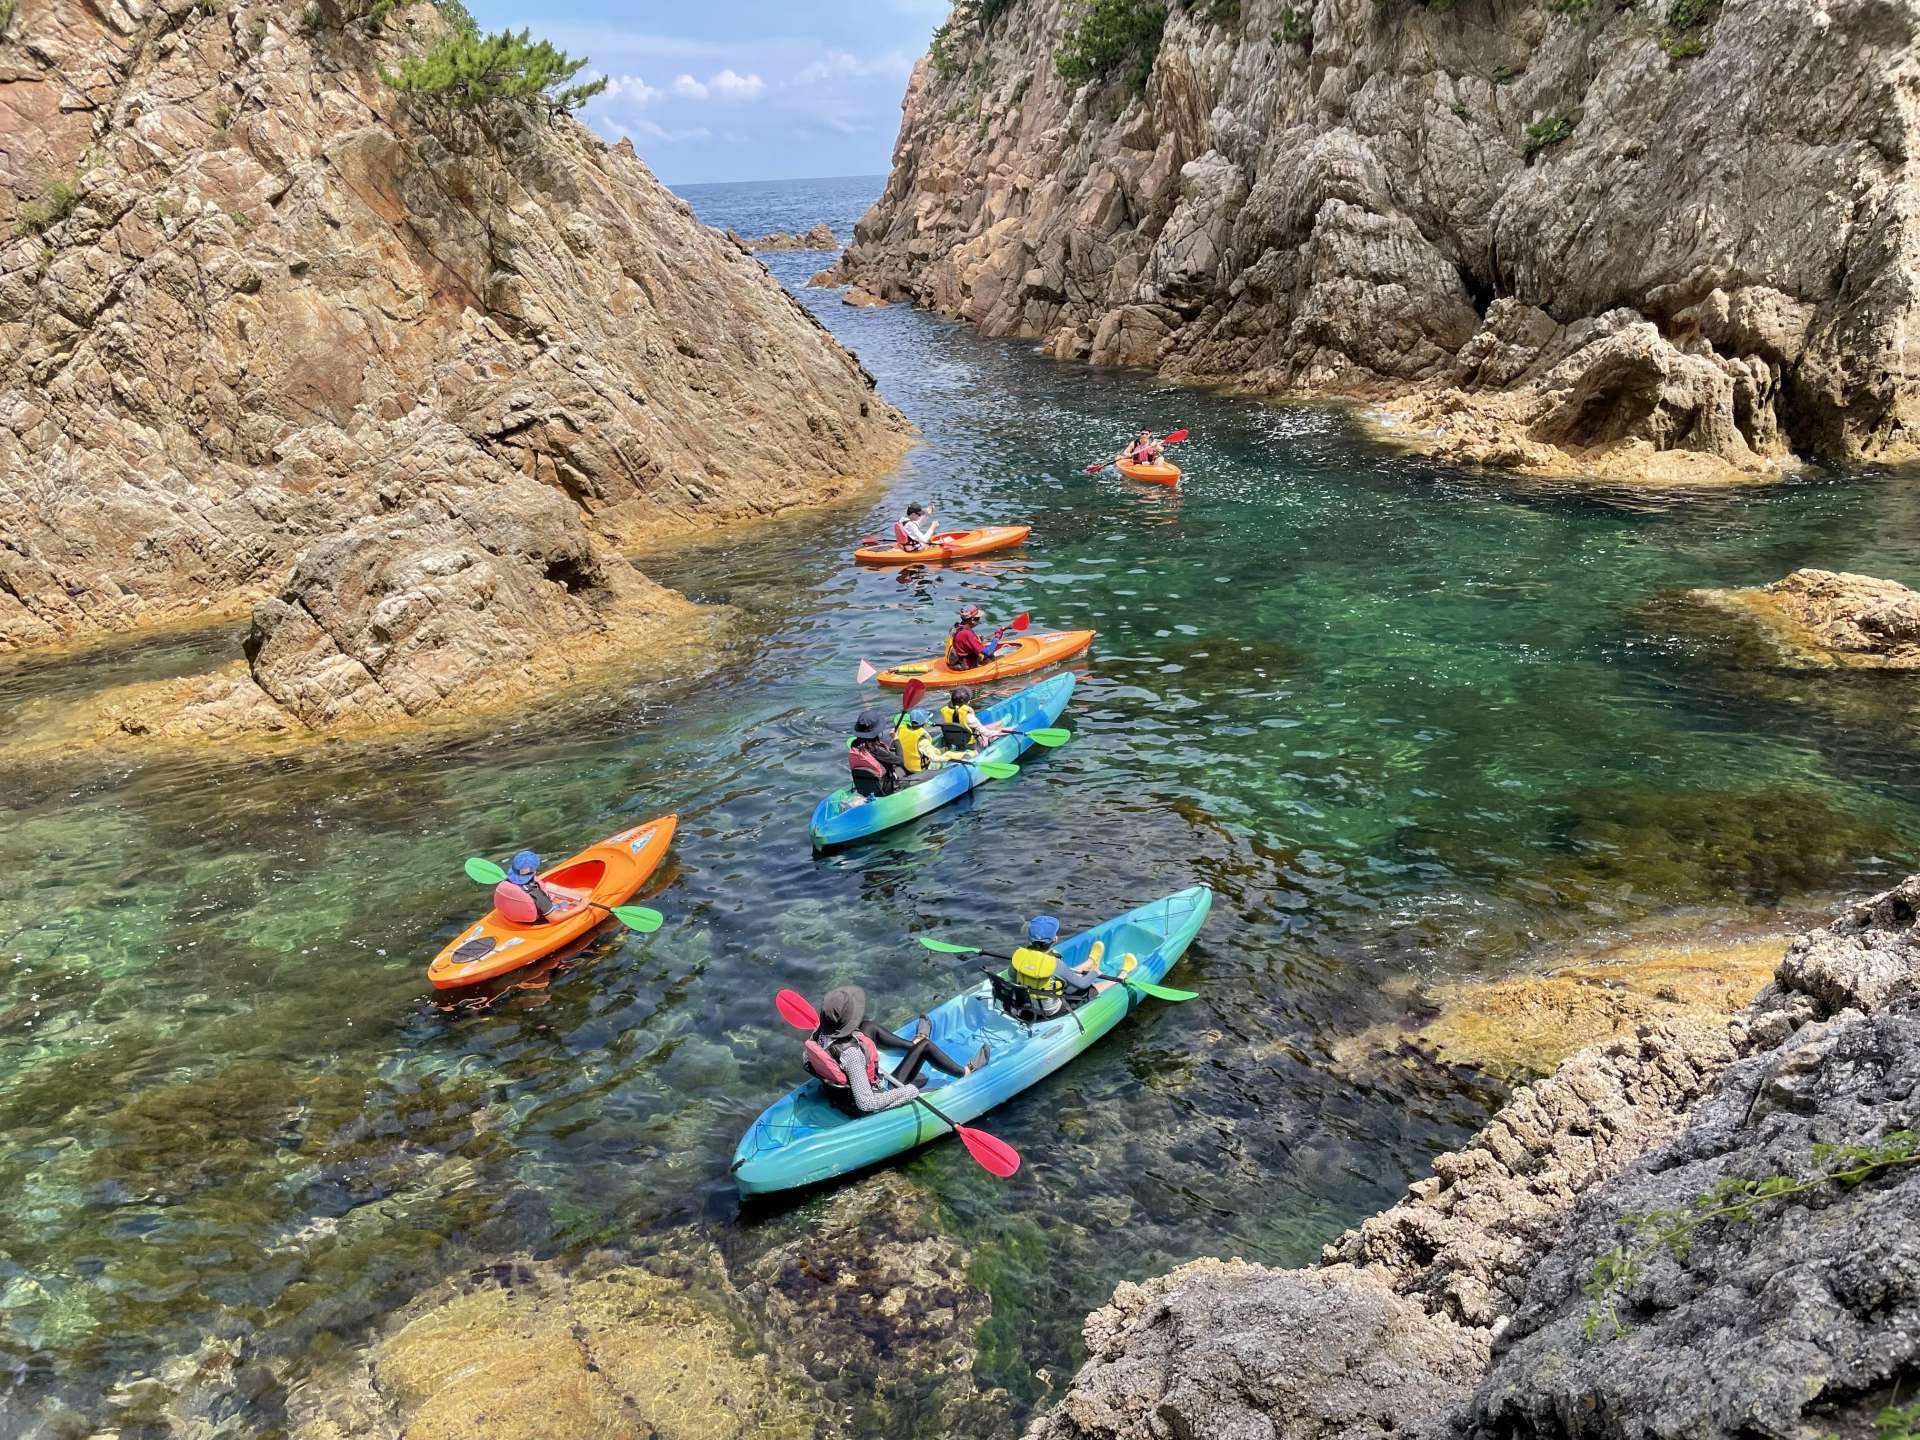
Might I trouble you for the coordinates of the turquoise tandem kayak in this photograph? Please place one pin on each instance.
(837, 820)
(805, 1137)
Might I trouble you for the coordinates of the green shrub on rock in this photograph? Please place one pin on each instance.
(468, 70)
(1548, 131)
(1113, 39)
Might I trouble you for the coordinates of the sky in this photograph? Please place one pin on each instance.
(741, 89)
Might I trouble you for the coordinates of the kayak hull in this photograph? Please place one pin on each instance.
(804, 1138)
(950, 545)
(584, 888)
(1019, 655)
(838, 822)
(1163, 473)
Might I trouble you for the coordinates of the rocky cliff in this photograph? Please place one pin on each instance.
(1703, 1231)
(270, 330)
(1671, 239)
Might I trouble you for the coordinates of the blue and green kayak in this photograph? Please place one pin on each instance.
(837, 820)
(805, 1137)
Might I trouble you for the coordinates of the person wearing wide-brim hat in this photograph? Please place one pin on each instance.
(844, 1052)
(874, 758)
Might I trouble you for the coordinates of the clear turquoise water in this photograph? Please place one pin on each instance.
(1405, 721)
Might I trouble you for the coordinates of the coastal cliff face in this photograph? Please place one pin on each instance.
(1668, 240)
(1514, 1292)
(270, 330)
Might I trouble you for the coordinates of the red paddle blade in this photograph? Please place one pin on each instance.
(993, 1153)
(1175, 438)
(910, 697)
(1021, 621)
(1096, 469)
(795, 1010)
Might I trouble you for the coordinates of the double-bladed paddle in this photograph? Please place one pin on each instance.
(994, 1154)
(634, 917)
(1174, 439)
(1159, 992)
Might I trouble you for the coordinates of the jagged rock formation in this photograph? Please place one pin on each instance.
(820, 237)
(1572, 249)
(268, 328)
(1464, 1310)
(1825, 619)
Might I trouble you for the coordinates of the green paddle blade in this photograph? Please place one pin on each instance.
(1159, 992)
(484, 872)
(947, 947)
(994, 769)
(1047, 737)
(639, 917)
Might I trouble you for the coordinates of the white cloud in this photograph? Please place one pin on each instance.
(663, 134)
(736, 86)
(838, 65)
(688, 86)
(631, 88)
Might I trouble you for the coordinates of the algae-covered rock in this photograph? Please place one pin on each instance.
(1825, 619)
(531, 1353)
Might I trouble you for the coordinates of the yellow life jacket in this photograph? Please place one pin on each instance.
(1034, 969)
(956, 727)
(910, 738)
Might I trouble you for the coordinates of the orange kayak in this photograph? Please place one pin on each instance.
(1163, 473)
(1018, 654)
(949, 545)
(583, 889)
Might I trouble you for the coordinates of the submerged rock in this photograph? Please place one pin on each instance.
(1536, 220)
(820, 237)
(1485, 1303)
(403, 377)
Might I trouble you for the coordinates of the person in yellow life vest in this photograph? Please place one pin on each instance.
(960, 728)
(1053, 986)
(914, 735)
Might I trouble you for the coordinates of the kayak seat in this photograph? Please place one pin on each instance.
(1022, 1004)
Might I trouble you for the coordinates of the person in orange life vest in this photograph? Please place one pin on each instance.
(844, 1054)
(874, 758)
(965, 649)
(914, 532)
(521, 897)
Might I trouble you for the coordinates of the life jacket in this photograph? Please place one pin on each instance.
(971, 658)
(909, 738)
(869, 775)
(821, 1064)
(1034, 969)
(956, 727)
(904, 538)
(515, 904)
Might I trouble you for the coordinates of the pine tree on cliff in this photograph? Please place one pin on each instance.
(467, 69)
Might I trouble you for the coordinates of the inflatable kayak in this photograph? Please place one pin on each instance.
(1162, 473)
(841, 817)
(804, 1137)
(1018, 655)
(949, 545)
(583, 889)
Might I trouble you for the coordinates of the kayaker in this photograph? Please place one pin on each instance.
(914, 735)
(960, 728)
(874, 759)
(521, 897)
(965, 649)
(1144, 451)
(844, 1053)
(1037, 969)
(914, 532)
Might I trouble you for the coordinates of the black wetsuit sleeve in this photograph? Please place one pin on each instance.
(542, 901)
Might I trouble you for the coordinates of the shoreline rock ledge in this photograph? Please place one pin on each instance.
(401, 379)
(1508, 1294)
(1661, 243)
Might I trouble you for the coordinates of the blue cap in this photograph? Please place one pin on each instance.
(524, 866)
(918, 719)
(1043, 929)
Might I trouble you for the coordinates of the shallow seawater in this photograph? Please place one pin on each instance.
(1405, 721)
